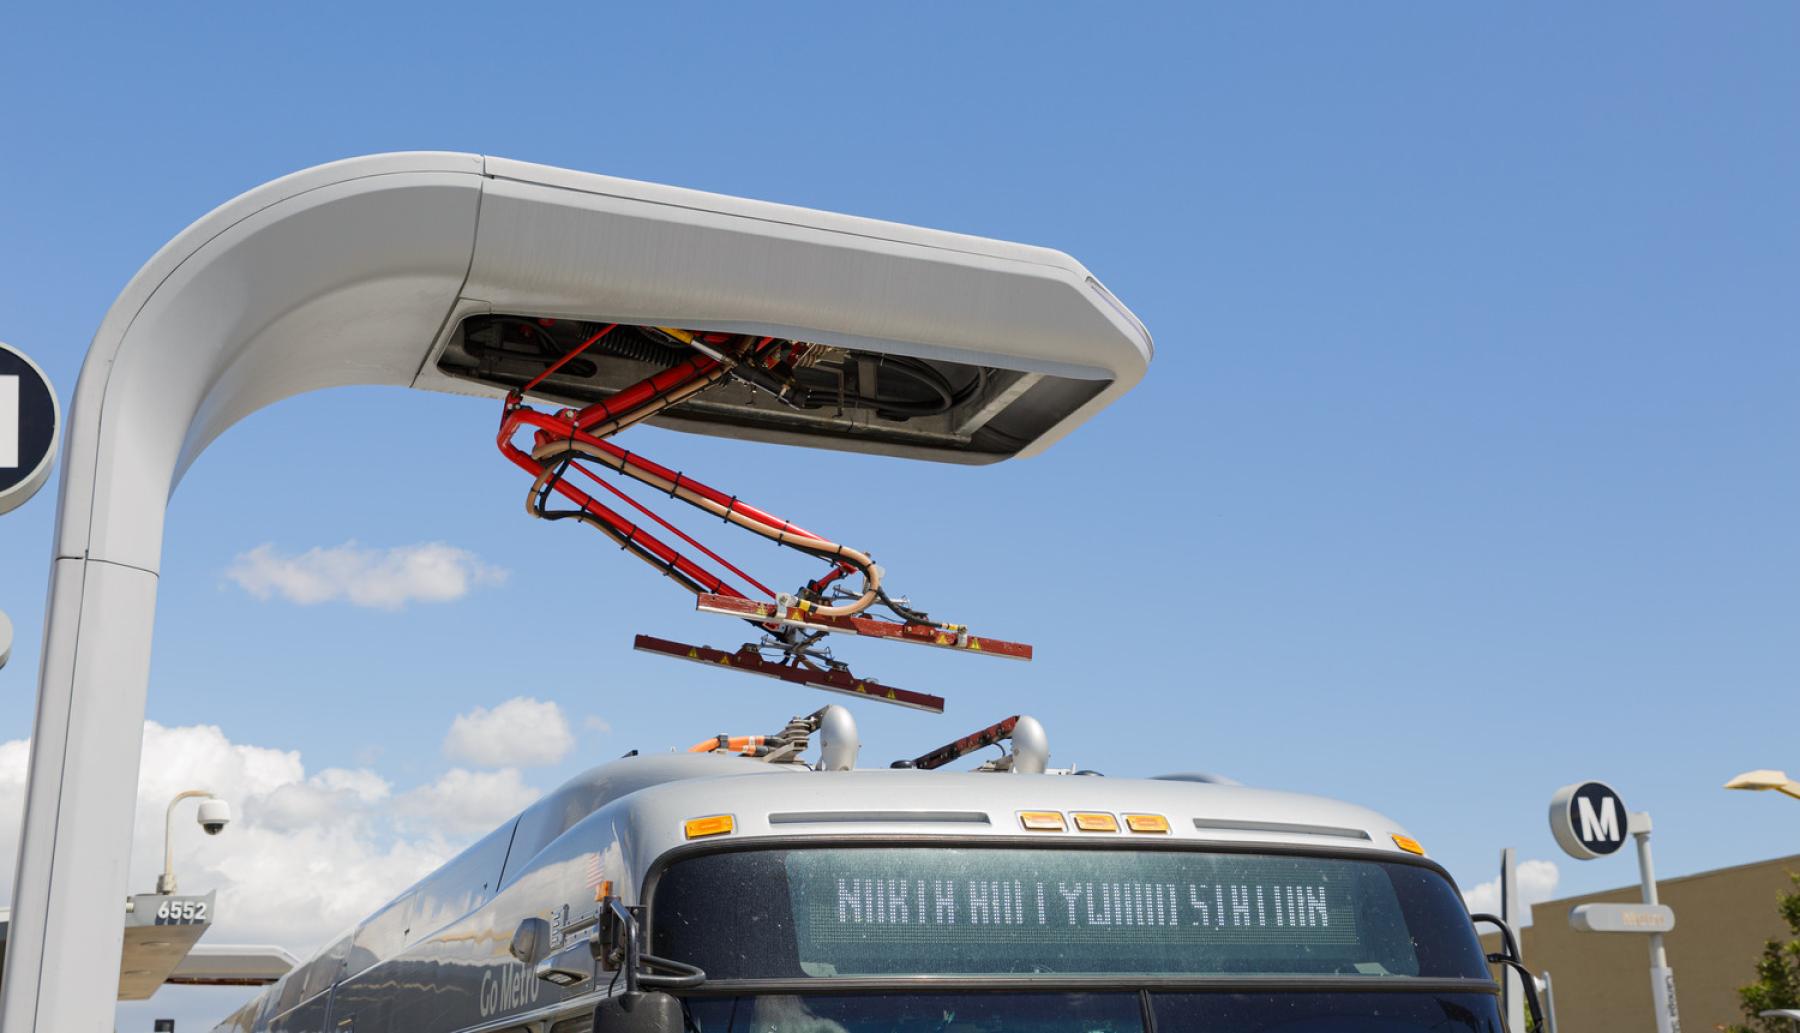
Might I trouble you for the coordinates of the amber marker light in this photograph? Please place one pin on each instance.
(1042, 821)
(1096, 822)
(1146, 823)
(717, 825)
(1408, 844)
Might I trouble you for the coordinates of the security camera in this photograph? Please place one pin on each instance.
(214, 816)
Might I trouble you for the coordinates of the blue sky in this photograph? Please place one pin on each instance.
(1465, 468)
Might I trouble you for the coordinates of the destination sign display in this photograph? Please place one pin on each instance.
(988, 897)
(873, 911)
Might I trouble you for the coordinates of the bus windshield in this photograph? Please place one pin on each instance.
(1212, 1012)
(873, 912)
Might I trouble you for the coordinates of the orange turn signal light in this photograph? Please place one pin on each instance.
(1146, 823)
(716, 825)
(1408, 844)
(1042, 821)
(1095, 822)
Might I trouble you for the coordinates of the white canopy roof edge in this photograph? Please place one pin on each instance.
(356, 273)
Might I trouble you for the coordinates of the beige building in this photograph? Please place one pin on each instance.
(1602, 980)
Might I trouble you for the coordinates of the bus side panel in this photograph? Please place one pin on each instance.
(464, 975)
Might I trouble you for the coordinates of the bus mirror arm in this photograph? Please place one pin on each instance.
(682, 976)
(619, 946)
(1508, 955)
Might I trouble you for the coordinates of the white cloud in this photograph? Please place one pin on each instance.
(520, 733)
(1537, 883)
(296, 805)
(384, 579)
(467, 802)
(306, 856)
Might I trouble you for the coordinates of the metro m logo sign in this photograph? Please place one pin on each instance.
(28, 428)
(1589, 820)
(1604, 827)
(9, 422)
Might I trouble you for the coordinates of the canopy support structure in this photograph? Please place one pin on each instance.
(360, 273)
(220, 323)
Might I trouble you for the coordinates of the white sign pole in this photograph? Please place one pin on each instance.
(1511, 994)
(1662, 977)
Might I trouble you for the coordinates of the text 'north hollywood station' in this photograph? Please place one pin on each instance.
(1001, 902)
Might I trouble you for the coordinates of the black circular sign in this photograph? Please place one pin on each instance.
(1589, 820)
(29, 422)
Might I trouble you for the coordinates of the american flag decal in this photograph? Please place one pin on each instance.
(594, 875)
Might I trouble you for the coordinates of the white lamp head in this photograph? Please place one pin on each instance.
(1762, 779)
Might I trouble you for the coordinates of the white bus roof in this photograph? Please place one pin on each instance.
(655, 797)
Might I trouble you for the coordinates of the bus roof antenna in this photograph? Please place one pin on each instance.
(1031, 747)
(838, 740)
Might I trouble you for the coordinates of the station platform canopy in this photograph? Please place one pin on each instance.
(156, 953)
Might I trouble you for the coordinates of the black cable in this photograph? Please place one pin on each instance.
(628, 543)
(911, 616)
(621, 465)
(789, 393)
(887, 406)
(923, 374)
(564, 459)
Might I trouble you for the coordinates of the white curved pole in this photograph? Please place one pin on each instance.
(223, 321)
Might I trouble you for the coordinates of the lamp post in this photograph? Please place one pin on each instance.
(1766, 779)
(213, 817)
